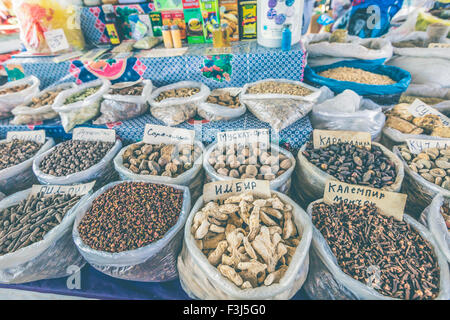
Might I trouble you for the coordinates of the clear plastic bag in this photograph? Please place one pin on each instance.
(327, 281)
(312, 179)
(21, 176)
(103, 171)
(45, 259)
(155, 262)
(216, 112)
(12, 100)
(281, 184)
(174, 111)
(278, 110)
(192, 178)
(432, 218)
(26, 115)
(201, 280)
(119, 107)
(81, 111)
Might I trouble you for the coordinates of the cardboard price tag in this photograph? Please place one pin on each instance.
(419, 109)
(391, 204)
(324, 138)
(56, 40)
(37, 136)
(49, 190)
(94, 134)
(416, 146)
(154, 134)
(244, 137)
(221, 190)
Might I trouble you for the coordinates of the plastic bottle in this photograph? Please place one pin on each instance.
(286, 38)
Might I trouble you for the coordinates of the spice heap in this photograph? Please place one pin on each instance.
(249, 161)
(431, 164)
(130, 215)
(83, 94)
(354, 164)
(135, 90)
(401, 119)
(274, 87)
(356, 75)
(177, 93)
(14, 89)
(361, 238)
(251, 241)
(29, 221)
(74, 156)
(17, 151)
(224, 99)
(45, 99)
(445, 212)
(160, 160)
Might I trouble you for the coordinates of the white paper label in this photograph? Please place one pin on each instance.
(94, 134)
(56, 40)
(221, 190)
(243, 137)
(419, 109)
(324, 138)
(416, 146)
(37, 136)
(154, 134)
(49, 190)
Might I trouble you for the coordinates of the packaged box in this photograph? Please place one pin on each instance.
(156, 20)
(194, 21)
(174, 17)
(229, 14)
(247, 20)
(210, 14)
(164, 5)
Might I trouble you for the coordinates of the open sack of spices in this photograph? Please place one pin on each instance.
(15, 93)
(437, 218)
(164, 163)
(348, 111)
(245, 247)
(80, 104)
(359, 253)
(39, 107)
(125, 101)
(375, 167)
(77, 161)
(16, 163)
(36, 236)
(247, 161)
(402, 124)
(382, 84)
(176, 103)
(279, 103)
(431, 94)
(222, 104)
(427, 174)
(133, 230)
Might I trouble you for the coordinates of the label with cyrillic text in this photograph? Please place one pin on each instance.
(419, 109)
(37, 136)
(154, 134)
(49, 190)
(416, 146)
(243, 137)
(94, 134)
(391, 204)
(221, 190)
(324, 138)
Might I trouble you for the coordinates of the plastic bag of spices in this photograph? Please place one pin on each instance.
(312, 179)
(220, 109)
(32, 110)
(78, 105)
(279, 110)
(21, 176)
(281, 183)
(201, 280)
(119, 107)
(433, 219)
(45, 259)
(155, 262)
(192, 178)
(176, 103)
(14, 93)
(327, 281)
(103, 171)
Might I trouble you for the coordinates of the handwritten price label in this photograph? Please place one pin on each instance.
(56, 40)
